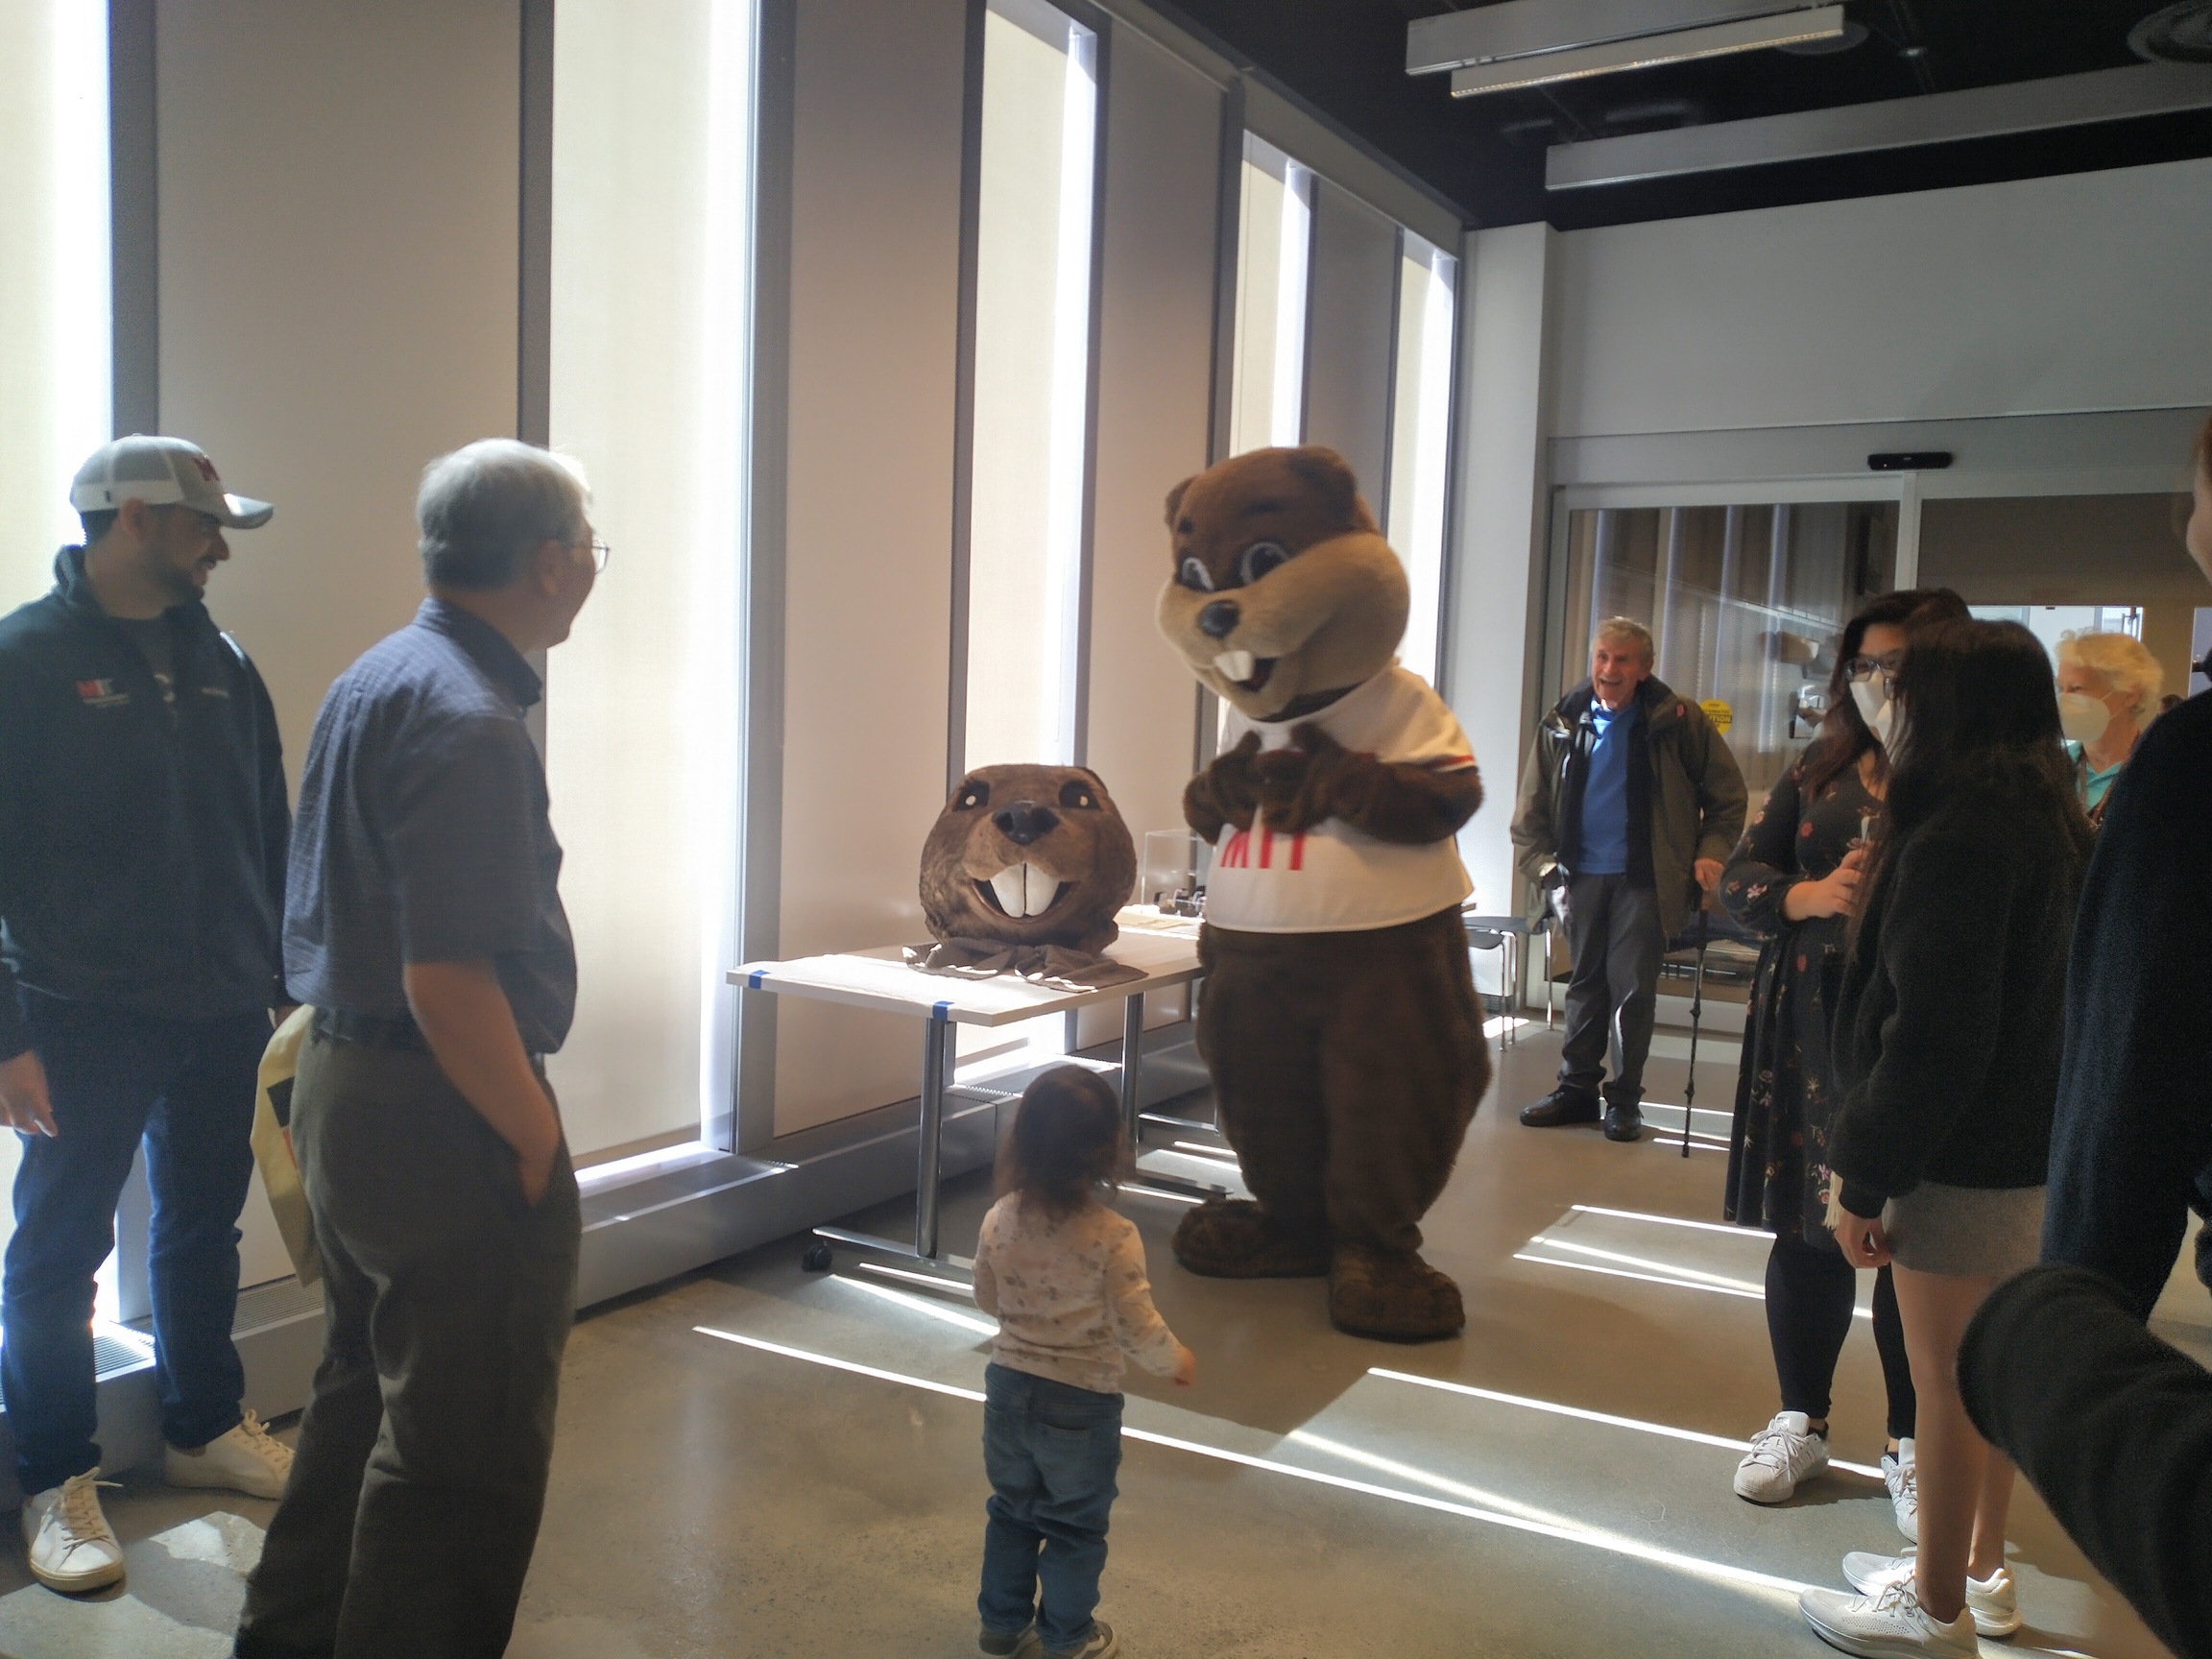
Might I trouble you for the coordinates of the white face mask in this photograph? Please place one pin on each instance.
(1876, 709)
(2083, 718)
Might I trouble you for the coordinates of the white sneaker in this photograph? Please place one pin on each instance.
(1891, 1622)
(72, 1547)
(1994, 1600)
(244, 1459)
(1782, 1454)
(1901, 1474)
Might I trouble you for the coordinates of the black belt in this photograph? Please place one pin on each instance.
(377, 1031)
(372, 1030)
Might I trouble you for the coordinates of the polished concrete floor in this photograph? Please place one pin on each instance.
(808, 1483)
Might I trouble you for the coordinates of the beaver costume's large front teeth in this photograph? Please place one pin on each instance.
(1233, 665)
(1024, 890)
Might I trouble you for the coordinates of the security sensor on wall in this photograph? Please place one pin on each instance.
(1908, 460)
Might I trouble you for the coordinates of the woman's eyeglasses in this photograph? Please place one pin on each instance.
(1861, 669)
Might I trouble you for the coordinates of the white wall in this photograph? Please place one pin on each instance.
(2077, 293)
(1494, 590)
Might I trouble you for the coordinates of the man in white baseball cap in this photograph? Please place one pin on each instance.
(144, 828)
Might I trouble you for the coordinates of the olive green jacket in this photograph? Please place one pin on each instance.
(1692, 787)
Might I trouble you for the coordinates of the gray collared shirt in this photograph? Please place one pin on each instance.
(422, 833)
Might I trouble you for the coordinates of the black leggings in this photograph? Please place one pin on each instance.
(1809, 1292)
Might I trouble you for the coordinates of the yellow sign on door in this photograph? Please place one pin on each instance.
(1719, 713)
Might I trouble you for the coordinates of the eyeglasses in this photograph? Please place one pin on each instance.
(600, 553)
(1861, 669)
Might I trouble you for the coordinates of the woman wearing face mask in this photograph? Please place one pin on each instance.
(1947, 1048)
(2108, 689)
(1792, 879)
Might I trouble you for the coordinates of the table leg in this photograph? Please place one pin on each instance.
(937, 1037)
(1132, 1066)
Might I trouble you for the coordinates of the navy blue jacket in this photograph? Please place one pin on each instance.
(2134, 1136)
(142, 846)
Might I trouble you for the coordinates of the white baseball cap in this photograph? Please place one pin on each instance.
(162, 473)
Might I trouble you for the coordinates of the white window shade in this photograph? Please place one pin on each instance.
(1420, 433)
(1267, 403)
(651, 166)
(54, 308)
(54, 284)
(1032, 374)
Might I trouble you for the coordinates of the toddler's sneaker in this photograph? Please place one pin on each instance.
(1887, 1625)
(1782, 1454)
(1994, 1600)
(1901, 1474)
(1022, 1645)
(246, 1459)
(1100, 1646)
(73, 1548)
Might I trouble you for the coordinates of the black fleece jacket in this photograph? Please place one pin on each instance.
(142, 843)
(1947, 1025)
(2134, 1125)
(2113, 1428)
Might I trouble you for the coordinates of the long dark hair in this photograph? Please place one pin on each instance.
(1979, 717)
(1844, 733)
(1066, 1141)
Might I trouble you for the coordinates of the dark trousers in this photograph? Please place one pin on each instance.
(1811, 1291)
(1346, 1068)
(421, 1474)
(1614, 936)
(184, 1088)
(1051, 1451)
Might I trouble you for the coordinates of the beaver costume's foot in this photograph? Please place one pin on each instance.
(1392, 1295)
(1235, 1238)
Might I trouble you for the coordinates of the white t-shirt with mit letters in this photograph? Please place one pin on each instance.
(1334, 879)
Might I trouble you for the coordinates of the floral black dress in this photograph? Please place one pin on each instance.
(1786, 1095)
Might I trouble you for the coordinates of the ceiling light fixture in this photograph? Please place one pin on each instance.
(1681, 46)
(1539, 43)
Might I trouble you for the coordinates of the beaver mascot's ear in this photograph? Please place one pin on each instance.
(1175, 498)
(1336, 491)
(1028, 856)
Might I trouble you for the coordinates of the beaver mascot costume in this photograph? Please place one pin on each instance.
(1339, 1018)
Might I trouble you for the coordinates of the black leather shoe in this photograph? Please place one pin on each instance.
(1561, 1106)
(1623, 1120)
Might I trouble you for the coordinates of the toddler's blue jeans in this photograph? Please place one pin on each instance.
(1051, 1451)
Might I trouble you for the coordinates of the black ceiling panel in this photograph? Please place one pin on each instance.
(1487, 154)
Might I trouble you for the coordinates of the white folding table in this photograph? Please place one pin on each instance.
(1165, 948)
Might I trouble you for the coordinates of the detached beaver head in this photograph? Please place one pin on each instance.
(1284, 594)
(1028, 856)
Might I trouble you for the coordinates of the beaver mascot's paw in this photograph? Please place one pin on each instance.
(1392, 1295)
(1235, 1238)
(1226, 792)
(1312, 780)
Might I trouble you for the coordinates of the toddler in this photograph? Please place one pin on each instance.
(1065, 1276)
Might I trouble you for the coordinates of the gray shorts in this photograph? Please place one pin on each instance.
(1967, 1232)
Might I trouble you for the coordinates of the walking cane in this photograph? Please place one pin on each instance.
(1697, 1013)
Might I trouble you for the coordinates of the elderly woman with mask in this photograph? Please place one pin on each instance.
(2109, 688)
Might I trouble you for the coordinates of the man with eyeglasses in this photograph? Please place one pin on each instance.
(143, 830)
(424, 924)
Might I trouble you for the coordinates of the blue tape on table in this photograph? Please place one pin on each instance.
(942, 1012)
(758, 974)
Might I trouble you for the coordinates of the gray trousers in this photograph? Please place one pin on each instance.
(1614, 937)
(414, 1502)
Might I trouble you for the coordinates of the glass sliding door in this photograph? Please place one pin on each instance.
(1420, 436)
(1744, 601)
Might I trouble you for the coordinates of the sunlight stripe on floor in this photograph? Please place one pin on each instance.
(1767, 1586)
